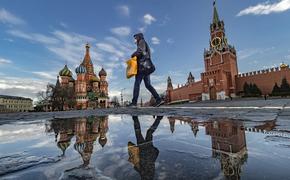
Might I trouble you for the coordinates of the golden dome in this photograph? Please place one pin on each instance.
(283, 65)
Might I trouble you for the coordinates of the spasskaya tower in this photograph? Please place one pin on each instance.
(220, 62)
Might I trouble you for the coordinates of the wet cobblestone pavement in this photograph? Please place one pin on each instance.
(182, 142)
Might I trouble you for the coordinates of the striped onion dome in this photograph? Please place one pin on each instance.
(79, 147)
(65, 72)
(63, 145)
(81, 69)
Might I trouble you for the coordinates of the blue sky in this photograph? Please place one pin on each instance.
(38, 37)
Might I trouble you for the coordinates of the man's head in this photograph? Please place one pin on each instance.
(138, 36)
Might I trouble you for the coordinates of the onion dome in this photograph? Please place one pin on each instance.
(79, 147)
(81, 69)
(102, 141)
(283, 65)
(95, 79)
(102, 72)
(63, 145)
(65, 72)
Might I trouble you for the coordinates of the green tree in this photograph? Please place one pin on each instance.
(70, 98)
(92, 96)
(285, 87)
(246, 88)
(115, 101)
(276, 90)
(251, 90)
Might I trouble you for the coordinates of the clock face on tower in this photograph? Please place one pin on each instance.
(216, 42)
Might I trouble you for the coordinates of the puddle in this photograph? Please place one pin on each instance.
(144, 147)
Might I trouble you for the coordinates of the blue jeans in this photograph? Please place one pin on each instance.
(147, 82)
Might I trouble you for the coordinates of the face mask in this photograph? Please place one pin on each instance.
(135, 41)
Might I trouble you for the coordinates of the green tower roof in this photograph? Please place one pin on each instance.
(216, 18)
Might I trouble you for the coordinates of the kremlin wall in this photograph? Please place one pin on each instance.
(221, 79)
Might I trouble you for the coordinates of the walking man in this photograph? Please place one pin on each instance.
(145, 68)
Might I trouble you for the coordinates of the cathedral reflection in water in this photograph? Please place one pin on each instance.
(228, 141)
(86, 132)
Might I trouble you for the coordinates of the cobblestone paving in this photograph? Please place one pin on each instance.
(247, 110)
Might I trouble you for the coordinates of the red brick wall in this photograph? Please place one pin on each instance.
(189, 92)
(265, 81)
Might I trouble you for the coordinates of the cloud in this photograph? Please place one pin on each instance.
(5, 61)
(121, 31)
(266, 8)
(106, 47)
(20, 86)
(155, 40)
(34, 37)
(115, 52)
(251, 52)
(71, 47)
(45, 75)
(8, 18)
(124, 10)
(64, 25)
(148, 19)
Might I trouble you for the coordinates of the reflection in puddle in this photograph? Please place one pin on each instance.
(144, 154)
(145, 147)
(228, 145)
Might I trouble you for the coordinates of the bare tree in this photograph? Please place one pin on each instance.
(115, 101)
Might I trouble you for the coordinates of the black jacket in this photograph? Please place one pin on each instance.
(143, 50)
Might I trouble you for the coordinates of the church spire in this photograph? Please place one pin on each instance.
(215, 19)
(87, 62)
(87, 48)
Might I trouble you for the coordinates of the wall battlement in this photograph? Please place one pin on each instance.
(260, 72)
(210, 73)
(265, 79)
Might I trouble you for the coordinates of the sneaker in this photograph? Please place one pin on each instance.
(159, 103)
(132, 105)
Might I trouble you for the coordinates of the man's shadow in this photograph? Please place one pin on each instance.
(144, 154)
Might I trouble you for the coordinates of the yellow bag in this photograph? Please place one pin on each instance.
(134, 154)
(131, 67)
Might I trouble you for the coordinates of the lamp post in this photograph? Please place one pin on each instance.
(122, 100)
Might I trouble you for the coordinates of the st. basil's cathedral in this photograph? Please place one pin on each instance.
(90, 90)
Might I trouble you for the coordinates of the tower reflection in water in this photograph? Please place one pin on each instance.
(228, 145)
(144, 154)
(86, 131)
(228, 141)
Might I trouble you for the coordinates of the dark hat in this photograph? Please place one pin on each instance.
(138, 36)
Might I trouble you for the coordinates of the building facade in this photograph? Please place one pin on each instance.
(15, 104)
(87, 132)
(221, 79)
(89, 90)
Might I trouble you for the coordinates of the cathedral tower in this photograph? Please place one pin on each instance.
(103, 99)
(220, 62)
(81, 87)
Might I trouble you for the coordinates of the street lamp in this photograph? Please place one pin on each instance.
(122, 100)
